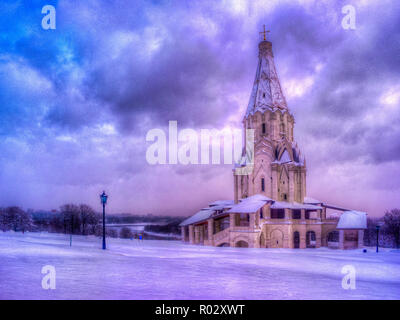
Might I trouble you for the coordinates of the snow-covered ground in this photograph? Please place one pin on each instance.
(132, 269)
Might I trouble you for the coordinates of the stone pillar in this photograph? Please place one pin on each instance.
(303, 214)
(210, 223)
(201, 234)
(183, 233)
(341, 239)
(318, 239)
(360, 238)
(267, 211)
(323, 213)
(286, 238)
(191, 234)
(319, 214)
(232, 220)
(274, 183)
(235, 186)
(291, 196)
(287, 213)
(324, 235)
(196, 234)
(290, 237)
(303, 233)
(252, 222)
(303, 182)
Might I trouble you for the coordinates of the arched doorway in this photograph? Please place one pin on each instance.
(296, 240)
(241, 244)
(276, 239)
(310, 239)
(262, 240)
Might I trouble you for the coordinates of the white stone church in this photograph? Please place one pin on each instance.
(270, 207)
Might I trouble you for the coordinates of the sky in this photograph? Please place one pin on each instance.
(76, 102)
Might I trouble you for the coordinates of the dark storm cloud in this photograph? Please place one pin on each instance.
(359, 66)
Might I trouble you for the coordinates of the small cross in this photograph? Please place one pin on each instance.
(264, 32)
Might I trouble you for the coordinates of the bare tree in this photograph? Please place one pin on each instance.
(87, 217)
(14, 218)
(4, 220)
(71, 217)
(392, 225)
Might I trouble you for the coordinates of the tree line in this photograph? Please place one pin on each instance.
(389, 231)
(73, 219)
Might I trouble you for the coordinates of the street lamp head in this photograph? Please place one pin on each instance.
(103, 198)
(378, 227)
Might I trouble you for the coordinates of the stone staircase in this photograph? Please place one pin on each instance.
(221, 237)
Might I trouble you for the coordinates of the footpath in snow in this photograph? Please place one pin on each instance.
(153, 269)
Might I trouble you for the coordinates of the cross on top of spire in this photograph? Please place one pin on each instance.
(264, 33)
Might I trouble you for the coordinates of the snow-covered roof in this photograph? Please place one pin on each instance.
(203, 214)
(250, 204)
(352, 220)
(311, 200)
(294, 205)
(221, 203)
(247, 206)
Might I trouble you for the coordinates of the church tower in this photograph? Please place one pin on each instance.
(279, 170)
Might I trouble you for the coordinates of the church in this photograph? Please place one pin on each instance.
(271, 208)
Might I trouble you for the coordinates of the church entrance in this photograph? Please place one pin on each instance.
(277, 239)
(296, 240)
(241, 244)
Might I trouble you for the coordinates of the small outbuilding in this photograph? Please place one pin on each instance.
(351, 228)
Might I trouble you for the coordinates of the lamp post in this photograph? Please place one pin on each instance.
(103, 198)
(377, 237)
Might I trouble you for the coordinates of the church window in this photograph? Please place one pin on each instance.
(284, 196)
(262, 184)
(261, 213)
(263, 95)
(264, 130)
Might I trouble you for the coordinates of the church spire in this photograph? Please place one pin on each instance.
(266, 92)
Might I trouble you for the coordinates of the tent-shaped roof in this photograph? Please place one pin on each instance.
(266, 92)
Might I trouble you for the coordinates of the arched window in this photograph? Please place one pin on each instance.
(262, 184)
(261, 213)
(263, 129)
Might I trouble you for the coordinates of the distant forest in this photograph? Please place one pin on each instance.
(80, 219)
